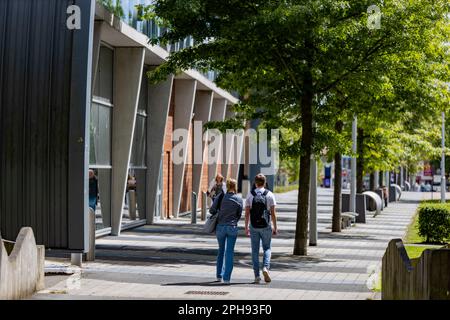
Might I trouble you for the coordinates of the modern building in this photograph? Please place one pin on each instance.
(74, 99)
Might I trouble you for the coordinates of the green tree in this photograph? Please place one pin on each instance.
(287, 57)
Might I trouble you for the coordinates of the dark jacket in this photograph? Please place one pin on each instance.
(230, 210)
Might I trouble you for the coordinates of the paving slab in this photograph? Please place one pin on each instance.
(176, 260)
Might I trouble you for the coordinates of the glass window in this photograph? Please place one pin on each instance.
(135, 201)
(103, 88)
(100, 197)
(143, 97)
(100, 130)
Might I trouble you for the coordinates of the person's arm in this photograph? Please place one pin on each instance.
(213, 209)
(239, 211)
(247, 220)
(274, 220)
(273, 213)
(212, 192)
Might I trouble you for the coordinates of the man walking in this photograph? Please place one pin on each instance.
(259, 214)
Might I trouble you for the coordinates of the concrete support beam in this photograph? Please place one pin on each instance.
(217, 114)
(184, 107)
(257, 167)
(238, 155)
(128, 68)
(159, 104)
(202, 112)
(228, 146)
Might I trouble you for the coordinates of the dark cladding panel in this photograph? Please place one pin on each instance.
(41, 97)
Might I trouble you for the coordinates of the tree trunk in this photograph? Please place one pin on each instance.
(337, 196)
(381, 179)
(360, 162)
(301, 231)
(372, 181)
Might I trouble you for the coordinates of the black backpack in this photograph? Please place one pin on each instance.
(259, 215)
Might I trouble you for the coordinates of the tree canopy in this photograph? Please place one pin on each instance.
(299, 62)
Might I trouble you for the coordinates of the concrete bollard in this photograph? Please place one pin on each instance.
(132, 204)
(40, 283)
(204, 208)
(245, 188)
(90, 255)
(194, 208)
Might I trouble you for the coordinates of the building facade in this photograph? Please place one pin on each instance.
(74, 100)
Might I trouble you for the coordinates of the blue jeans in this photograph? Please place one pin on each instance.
(93, 202)
(258, 235)
(226, 237)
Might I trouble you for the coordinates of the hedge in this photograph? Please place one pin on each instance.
(434, 222)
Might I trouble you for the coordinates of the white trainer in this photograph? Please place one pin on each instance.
(266, 275)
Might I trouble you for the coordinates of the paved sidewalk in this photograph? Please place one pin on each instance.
(175, 260)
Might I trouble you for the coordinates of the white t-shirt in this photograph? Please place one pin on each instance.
(270, 198)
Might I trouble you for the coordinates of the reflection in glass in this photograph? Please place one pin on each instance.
(100, 187)
(100, 155)
(100, 130)
(135, 201)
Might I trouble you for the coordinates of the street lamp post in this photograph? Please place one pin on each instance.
(353, 165)
(443, 182)
(313, 204)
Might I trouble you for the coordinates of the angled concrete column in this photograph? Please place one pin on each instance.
(238, 155)
(228, 146)
(158, 104)
(184, 107)
(128, 66)
(202, 113)
(98, 28)
(217, 114)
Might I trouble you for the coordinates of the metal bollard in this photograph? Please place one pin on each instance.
(90, 255)
(204, 198)
(132, 204)
(194, 208)
(76, 259)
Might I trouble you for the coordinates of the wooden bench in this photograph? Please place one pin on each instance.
(347, 218)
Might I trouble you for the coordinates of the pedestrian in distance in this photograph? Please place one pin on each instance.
(228, 206)
(260, 215)
(218, 187)
(93, 190)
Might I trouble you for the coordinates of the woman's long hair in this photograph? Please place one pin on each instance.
(232, 185)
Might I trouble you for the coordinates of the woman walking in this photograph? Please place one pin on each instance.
(218, 187)
(228, 206)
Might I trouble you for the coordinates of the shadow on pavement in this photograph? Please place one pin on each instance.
(206, 284)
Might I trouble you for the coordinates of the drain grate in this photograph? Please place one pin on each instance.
(208, 293)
